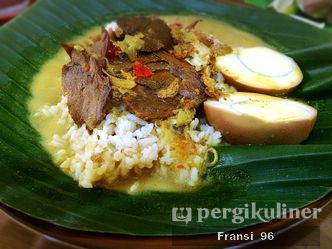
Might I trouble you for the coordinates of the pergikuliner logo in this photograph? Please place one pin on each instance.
(247, 212)
(182, 214)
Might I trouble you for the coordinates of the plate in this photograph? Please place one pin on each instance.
(294, 175)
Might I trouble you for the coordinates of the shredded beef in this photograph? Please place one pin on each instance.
(87, 90)
(174, 83)
(157, 35)
(157, 66)
(100, 47)
(157, 80)
(121, 64)
(148, 106)
(191, 86)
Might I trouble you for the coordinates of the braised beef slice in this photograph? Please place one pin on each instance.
(100, 47)
(153, 62)
(87, 90)
(122, 64)
(157, 66)
(157, 35)
(148, 106)
(191, 86)
(149, 57)
(157, 81)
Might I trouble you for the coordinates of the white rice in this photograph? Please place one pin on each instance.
(201, 56)
(124, 144)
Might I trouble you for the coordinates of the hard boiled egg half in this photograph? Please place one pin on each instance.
(252, 118)
(261, 70)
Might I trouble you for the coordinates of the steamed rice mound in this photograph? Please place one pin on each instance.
(123, 146)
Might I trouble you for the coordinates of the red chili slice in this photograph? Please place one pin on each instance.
(140, 70)
(180, 166)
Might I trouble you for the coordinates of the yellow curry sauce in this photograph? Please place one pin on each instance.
(46, 90)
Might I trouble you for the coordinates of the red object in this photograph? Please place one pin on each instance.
(112, 52)
(87, 69)
(140, 70)
(11, 8)
(180, 166)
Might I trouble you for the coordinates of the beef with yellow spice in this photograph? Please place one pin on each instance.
(130, 114)
(157, 77)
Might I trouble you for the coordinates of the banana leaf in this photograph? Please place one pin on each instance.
(292, 174)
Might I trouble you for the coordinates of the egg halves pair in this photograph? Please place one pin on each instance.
(253, 116)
